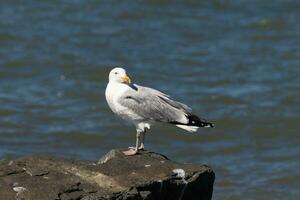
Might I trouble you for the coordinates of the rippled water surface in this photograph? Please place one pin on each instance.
(236, 63)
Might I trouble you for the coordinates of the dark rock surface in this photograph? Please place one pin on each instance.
(115, 177)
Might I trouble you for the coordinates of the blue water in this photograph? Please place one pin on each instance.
(235, 63)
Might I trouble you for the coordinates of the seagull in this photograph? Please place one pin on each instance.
(145, 106)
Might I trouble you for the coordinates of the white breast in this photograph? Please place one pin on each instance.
(112, 93)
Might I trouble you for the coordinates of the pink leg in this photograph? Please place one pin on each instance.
(142, 146)
(133, 150)
(130, 152)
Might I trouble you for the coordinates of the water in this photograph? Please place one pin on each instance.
(234, 62)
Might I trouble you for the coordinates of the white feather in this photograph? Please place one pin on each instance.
(191, 129)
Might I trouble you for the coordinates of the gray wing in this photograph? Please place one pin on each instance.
(154, 105)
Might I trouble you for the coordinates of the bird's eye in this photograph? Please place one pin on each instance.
(116, 73)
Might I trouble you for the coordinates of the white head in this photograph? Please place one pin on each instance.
(118, 75)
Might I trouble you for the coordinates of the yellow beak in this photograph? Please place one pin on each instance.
(126, 79)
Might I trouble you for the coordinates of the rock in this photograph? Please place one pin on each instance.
(144, 176)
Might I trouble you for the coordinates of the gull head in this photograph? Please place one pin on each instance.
(119, 75)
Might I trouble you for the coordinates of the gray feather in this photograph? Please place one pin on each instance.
(153, 105)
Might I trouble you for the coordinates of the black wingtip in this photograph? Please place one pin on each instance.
(196, 121)
(210, 125)
(206, 124)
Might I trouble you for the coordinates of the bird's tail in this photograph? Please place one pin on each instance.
(191, 129)
(194, 122)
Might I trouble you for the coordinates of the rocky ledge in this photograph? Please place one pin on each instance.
(147, 175)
